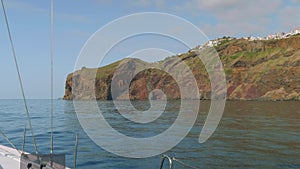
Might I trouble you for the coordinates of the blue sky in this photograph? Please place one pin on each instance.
(76, 21)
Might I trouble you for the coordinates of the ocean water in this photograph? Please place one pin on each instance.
(250, 135)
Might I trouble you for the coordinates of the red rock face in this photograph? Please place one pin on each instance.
(138, 89)
(268, 70)
(153, 80)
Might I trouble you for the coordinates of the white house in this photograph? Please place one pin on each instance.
(296, 31)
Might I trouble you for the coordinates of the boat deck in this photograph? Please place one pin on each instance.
(9, 158)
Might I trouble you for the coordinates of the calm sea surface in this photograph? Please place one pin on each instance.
(251, 134)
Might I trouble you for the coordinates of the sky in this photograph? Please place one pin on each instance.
(76, 21)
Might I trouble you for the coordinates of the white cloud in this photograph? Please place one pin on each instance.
(141, 3)
(103, 2)
(24, 6)
(160, 3)
(237, 10)
(73, 17)
(235, 17)
(289, 18)
(146, 3)
(233, 29)
(296, 1)
(230, 17)
(217, 4)
(80, 34)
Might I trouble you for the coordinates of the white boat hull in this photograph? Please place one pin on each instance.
(10, 159)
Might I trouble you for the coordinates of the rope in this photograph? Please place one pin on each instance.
(19, 77)
(184, 164)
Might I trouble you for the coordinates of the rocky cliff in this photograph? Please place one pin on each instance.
(265, 70)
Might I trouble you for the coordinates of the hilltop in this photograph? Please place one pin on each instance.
(267, 69)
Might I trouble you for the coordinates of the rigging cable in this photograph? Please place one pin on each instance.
(51, 58)
(9, 141)
(19, 77)
(75, 152)
(24, 139)
(184, 164)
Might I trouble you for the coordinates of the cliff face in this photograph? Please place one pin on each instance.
(267, 70)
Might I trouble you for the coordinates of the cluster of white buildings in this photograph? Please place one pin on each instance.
(280, 35)
(218, 41)
(215, 42)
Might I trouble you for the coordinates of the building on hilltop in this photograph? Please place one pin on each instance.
(296, 31)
